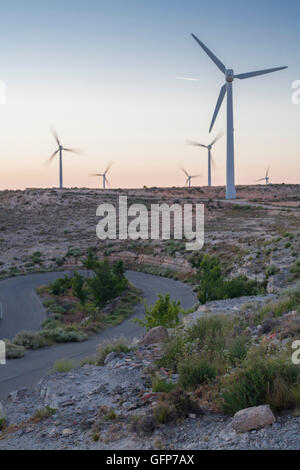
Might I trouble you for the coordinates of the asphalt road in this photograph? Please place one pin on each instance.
(23, 310)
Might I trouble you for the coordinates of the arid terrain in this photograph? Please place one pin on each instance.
(123, 401)
(47, 229)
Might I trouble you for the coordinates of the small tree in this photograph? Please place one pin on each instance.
(118, 268)
(162, 313)
(105, 284)
(78, 289)
(90, 261)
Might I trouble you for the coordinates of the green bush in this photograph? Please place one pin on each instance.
(261, 381)
(160, 385)
(78, 289)
(67, 334)
(63, 365)
(119, 345)
(195, 371)
(295, 270)
(30, 340)
(42, 414)
(162, 313)
(105, 284)
(213, 285)
(60, 285)
(14, 351)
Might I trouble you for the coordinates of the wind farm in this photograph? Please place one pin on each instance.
(103, 176)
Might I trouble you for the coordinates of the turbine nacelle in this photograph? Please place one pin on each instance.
(229, 75)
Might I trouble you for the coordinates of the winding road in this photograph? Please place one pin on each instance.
(23, 310)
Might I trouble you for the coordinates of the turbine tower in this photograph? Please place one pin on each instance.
(59, 150)
(210, 158)
(265, 178)
(189, 177)
(227, 88)
(104, 178)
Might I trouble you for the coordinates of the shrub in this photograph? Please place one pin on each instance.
(213, 285)
(260, 381)
(36, 257)
(290, 300)
(30, 340)
(63, 365)
(66, 334)
(162, 313)
(60, 285)
(237, 350)
(14, 351)
(295, 270)
(42, 413)
(194, 371)
(271, 270)
(78, 289)
(105, 284)
(160, 385)
(163, 413)
(119, 345)
(181, 402)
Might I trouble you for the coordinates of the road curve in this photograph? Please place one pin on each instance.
(23, 310)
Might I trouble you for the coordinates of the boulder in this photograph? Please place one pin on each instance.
(155, 335)
(256, 417)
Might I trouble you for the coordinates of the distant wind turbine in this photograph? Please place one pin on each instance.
(210, 158)
(189, 177)
(227, 87)
(265, 178)
(104, 177)
(59, 150)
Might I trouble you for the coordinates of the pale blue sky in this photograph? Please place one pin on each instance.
(104, 73)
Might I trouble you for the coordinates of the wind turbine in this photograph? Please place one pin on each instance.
(189, 177)
(104, 178)
(266, 178)
(210, 158)
(59, 150)
(227, 87)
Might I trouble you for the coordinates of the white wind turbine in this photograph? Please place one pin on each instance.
(104, 178)
(59, 150)
(227, 87)
(265, 178)
(210, 158)
(189, 177)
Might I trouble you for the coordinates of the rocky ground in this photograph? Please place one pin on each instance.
(48, 229)
(96, 408)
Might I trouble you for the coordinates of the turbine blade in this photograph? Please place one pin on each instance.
(107, 168)
(54, 133)
(106, 180)
(241, 76)
(195, 176)
(218, 136)
(196, 144)
(218, 105)
(260, 179)
(184, 171)
(187, 181)
(77, 151)
(218, 63)
(213, 162)
(267, 172)
(191, 79)
(95, 174)
(49, 160)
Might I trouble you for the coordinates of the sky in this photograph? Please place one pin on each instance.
(104, 74)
